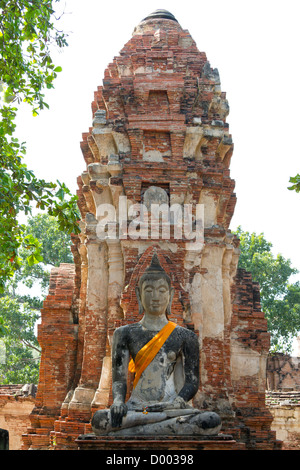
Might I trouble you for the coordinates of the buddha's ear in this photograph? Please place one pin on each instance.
(138, 295)
(170, 301)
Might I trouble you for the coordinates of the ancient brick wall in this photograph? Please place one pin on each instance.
(283, 372)
(58, 338)
(250, 345)
(285, 409)
(283, 398)
(15, 408)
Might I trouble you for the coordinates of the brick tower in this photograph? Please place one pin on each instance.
(159, 131)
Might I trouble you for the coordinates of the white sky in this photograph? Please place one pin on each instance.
(255, 47)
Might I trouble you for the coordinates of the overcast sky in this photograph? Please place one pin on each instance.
(255, 47)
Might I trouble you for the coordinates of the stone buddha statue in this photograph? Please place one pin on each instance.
(165, 360)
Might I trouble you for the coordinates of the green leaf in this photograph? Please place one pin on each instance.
(32, 260)
(296, 185)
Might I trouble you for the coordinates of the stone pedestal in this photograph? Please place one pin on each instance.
(161, 443)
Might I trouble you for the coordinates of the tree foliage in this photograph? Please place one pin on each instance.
(27, 34)
(20, 311)
(296, 183)
(21, 363)
(280, 299)
(54, 248)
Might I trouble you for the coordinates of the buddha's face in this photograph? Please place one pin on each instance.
(155, 296)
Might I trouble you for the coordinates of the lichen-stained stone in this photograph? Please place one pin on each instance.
(159, 121)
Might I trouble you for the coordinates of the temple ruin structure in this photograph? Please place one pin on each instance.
(158, 134)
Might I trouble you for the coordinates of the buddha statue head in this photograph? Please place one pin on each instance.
(154, 291)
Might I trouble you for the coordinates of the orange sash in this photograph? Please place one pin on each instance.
(149, 351)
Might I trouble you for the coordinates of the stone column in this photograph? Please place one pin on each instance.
(115, 312)
(95, 321)
(228, 268)
(212, 381)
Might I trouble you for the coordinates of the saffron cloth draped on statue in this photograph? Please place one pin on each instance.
(149, 351)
